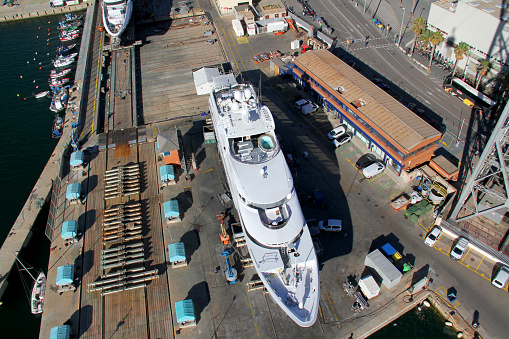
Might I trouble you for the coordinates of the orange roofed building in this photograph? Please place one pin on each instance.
(389, 129)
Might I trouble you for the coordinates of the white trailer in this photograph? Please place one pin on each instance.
(277, 26)
(238, 28)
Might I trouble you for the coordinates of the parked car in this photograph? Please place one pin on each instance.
(301, 103)
(330, 225)
(374, 169)
(365, 160)
(309, 108)
(337, 131)
(383, 86)
(314, 230)
(501, 277)
(459, 248)
(318, 247)
(420, 112)
(433, 236)
(376, 80)
(342, 139)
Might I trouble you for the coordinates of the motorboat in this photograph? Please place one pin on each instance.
(65, 36)
(58, 127)
(66, 26)
(58, 82)
(63, 57)
(261, 187)
(55, 75)
(71, 17)
(59, 101)
(65, 49)
(116, 15)
(63, 62)
(41, 95)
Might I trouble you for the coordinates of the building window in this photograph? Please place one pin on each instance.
(380, 137)
(266, 17)
(276, 15)
(395, 150)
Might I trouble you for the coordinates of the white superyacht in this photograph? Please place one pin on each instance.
(116, 15)
(262, 189)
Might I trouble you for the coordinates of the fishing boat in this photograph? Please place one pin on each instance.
(65, 26)
(58, 82)
(63, 62)
(65, 49)
(261, 185)
(63, 57)
(55, 75)
(58, 127)
(64, 36)
(70, 17)
(116, 15)
(38, 289)
(59, 101)
(41, 95)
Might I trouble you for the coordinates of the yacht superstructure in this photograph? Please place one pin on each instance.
(116, 15)
(262, 189)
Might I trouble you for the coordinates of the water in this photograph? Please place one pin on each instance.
(26, 145)
(417, 323)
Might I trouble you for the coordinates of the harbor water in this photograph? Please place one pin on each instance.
(26, 145)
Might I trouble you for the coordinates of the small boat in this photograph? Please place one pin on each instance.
(58, 127)
(68, 37)
(55, 75)
(41, 95)
(65, 49)
(65, 57)
(38, 289)
(69, 25)
(70, 17)
(64, 33)
(59, 101)
(63, 62)
(58, 82)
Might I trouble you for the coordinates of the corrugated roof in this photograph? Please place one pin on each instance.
(381, 110)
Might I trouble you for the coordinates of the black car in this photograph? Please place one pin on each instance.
(365, 161)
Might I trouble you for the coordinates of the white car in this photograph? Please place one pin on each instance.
(309, 108)
(336, 132)
(301, 103)
(459, 248)
(374, 169)
(330, 225)
(501, 277)
(342, 139)
(433, 236)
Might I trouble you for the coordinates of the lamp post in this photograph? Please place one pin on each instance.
(401, 27)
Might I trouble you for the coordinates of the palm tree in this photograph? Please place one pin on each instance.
(419, 25)
(482, 69)
(460, 50)
(424, 39)
(436, 39)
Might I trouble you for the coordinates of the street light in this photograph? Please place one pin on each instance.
(401, 27)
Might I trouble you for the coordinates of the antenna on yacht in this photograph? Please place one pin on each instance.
(260, 90)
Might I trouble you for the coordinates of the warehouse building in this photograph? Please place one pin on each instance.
(389, 129)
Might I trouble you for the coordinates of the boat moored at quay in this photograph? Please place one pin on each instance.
(261, 186)
(116, 15)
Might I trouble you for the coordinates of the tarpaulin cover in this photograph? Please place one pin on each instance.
(65, 275)
(184, 310)
(73, 191)
(69, 229)
(60, 332)
(167, 172)
(77, 158)
(171, 209)
(388, 249)
(177, 252)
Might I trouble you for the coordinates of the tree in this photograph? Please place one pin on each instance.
(482, 69)
(460, 50)
(424, 39)
(419, 25)
(436, 39)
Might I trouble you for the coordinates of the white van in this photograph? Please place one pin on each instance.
(374, 169)
(309, 108)
(330, 225)
(501, 277)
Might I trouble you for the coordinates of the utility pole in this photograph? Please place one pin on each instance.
(401, 27)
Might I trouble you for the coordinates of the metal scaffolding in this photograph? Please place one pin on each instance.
(487, 190)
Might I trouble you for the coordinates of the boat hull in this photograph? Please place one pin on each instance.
(114, 31)
(37, 299)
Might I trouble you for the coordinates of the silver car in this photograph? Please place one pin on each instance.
(433, 236)
(459, 248)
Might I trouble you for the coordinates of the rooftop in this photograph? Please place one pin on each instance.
(376, 106)
(493, 7)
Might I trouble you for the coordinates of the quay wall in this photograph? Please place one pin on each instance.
(21, 230)
(23, 9)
